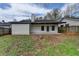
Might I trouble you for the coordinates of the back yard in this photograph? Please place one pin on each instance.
(39, 45)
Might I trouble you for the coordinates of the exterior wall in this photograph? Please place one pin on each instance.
(20, 29)
(71, 22)
(36, 29)
(73, 25)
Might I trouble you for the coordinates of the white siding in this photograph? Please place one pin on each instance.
(36, 29)
(20, 29)
(71, 22)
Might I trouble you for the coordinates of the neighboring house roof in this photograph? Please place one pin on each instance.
(22, 22)
(70, 18)
(4, 24)
(71, 21)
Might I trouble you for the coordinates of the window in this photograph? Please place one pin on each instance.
(47, 28)
(42, 28)
(62, 25)
(53, 28)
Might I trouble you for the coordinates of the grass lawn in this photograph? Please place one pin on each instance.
(39, 45)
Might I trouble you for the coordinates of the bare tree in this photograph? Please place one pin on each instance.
(40, 18)
(56, 14)
(71, 8)
(48, 16)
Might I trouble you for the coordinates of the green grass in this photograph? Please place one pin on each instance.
(25, 45)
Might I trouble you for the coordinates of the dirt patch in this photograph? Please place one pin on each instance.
(53, 39)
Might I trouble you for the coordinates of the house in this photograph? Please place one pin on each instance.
(72, 22)
(5, 25)
(4, 28)
(28, 27)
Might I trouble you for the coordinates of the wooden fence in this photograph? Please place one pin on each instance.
(5, 31)
(70, 29)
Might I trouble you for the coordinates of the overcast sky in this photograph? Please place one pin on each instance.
(10, 11)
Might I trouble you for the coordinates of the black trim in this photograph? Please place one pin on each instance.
(50, 23)
(20, 22)
(38, 22)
